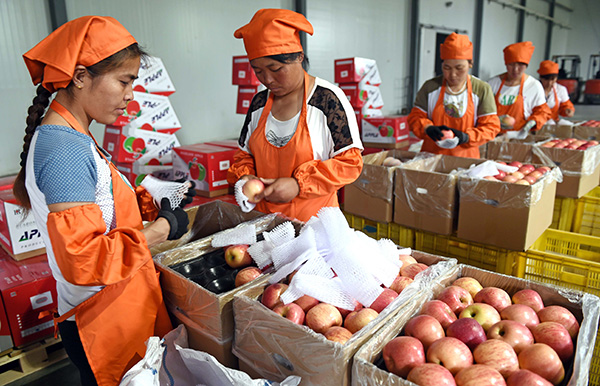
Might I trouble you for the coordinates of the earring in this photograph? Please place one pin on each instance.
(79, 86)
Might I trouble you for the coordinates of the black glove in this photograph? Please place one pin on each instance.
(177, 218)
(190, 194)
(434, 132)
(461, 135)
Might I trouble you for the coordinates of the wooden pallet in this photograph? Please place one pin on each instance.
(22, 362)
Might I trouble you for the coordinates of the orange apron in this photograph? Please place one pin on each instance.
(277, 162)
(115, 323)
(556, 107)
(516, 110)
(439, 117)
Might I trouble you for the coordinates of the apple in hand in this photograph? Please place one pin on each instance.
(338, 334)
(513, 333)
(292, 312)
(356, 320)
(468, 331)
(400, 283)
(384, 299)
(322, 317)
(246, 275)
(457, 298)
(526, 378)
(402, 354)
(451, 353)
(530, 298)
(469, 283)
(439, 310)
(556, 336)
(483, 313)
(425, 328)
(431, 374)
(479, 375)
(560, 315)
(237, 256)
(542, 360)
(253, 189)
(497, 354)
(272, 294)
(306, 302)
(412, 270)
(522, 314)
(494, 296)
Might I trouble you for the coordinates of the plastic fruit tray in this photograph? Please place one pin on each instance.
(402, 236)
(587, 214)
(210, 271)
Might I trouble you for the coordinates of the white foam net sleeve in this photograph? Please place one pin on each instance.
(290, 267)
(159, 189)
(241, 199)
(325, 290)
(315, 265)
(245, 234)
(284, 253)
(404, 251)
(261, 253)
(281, 234)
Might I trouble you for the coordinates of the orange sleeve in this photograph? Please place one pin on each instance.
(243, 164)
(566, 105)
(540, 115)
(318, 178)
(86, 256)
(418, 121)
(488, 126)
(146, 204)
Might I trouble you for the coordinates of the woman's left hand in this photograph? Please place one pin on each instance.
(280, 190)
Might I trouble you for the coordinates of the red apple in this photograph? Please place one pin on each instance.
(494, 296)
(447, 134)
(561, 315)
(322, 317)
(451, 353)
(345, 313)
(425, 328)
(412, 270)
(400, 283)
(543, 169)
(479, 375)
(511, 332)
(510, 179)
(253, 189)
(439, 310)
(468, 331)
(431, 374)
(407, 260)
(522, 314)
(501, 174)
(556, 336)
(338, 334)
(383, 300)
(272, 294)
(518, 175)
(497, 354)
(292, 312)
(522, 182)
(529, 297)
(306, 302)
(356, 320)
(483, 313)
(542, 360)
(246, 275)
(536, 174)
(237, 256)
(402, 354)
(469, 283)
(516, 164)
(526, 169)
(457, 298)
(391, 161)
(530, 179)
(526, 378)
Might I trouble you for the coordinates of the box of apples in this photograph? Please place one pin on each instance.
(315, 339)
(481, 328)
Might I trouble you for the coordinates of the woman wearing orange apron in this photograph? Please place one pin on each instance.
(557, 95)
(456, 104)
(109, 296)
(519, 98)
(300, 136)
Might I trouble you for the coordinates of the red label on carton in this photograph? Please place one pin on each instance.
(353, 70)
(153, 78)
(243, 73)
(385, 129)
(245, 95)
(204, 164)
(127, 144)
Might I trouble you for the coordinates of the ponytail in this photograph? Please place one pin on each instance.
(34, 119)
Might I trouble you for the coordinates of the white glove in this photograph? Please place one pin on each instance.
(520, 134)
(241, 198)
(450, 143)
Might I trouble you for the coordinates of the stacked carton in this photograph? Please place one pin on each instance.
(248, 84)
(140, 141)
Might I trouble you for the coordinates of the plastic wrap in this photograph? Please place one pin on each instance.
(586, 132)
(277, 347)
(572, 162)
(585, 307)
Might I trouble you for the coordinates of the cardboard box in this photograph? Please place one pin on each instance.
(586, 132)
(385, 131)
(7, 182)
(372, 194)
(353, 70)
(426, 195)
(363, 96)
(27, 289)
(153, 78)
(554, 130)
(369, 370)
(162, 119)
(275, 347)
(142, 104)
(128, 144)
(243, 73)
(244, 98)
(503, 214)
(19, 234)
(228, 143)
(136, 173)
(204, 164)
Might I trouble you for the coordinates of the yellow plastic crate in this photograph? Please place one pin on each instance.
(402, 236)
(564, 212)
(466, 252)
(587, 214)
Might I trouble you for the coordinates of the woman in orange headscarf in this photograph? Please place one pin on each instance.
(300, 136)
(109, 296)
(455, 104)
(519, 97)
(557, 95)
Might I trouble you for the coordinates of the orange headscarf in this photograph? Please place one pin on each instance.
(518, 52)
(86, 40)
(456, 47)
(273, 32)
(548, 67)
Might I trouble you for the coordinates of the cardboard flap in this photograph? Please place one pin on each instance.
(586, 132)
(554, 130)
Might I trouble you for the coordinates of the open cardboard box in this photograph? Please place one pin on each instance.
(425, 193)
(367, 368)
(556, 130)
(372, 194)
(273, 347)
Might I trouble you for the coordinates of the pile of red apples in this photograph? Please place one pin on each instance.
(335, 323)
(475, 336)
(237, 256)
(527, 174)
(591, 123)
(569, 143)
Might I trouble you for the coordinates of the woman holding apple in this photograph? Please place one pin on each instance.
(300, 136)
(109, 297)
(519, 97)
(557, 95)
(455, 113)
